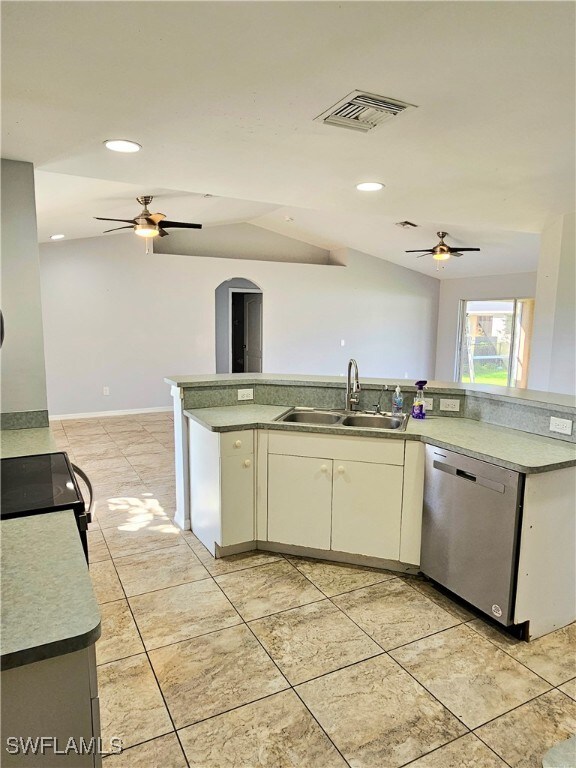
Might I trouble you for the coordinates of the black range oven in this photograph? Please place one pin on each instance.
(36, 485)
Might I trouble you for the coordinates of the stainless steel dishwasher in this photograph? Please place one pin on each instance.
(470, 530)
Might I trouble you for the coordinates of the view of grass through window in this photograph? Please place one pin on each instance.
(494, 343)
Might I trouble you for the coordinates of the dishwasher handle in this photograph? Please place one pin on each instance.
(478, 479)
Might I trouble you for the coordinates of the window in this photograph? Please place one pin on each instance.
(494, 341)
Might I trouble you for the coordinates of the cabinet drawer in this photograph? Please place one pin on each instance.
(239, 443)
(374, 450)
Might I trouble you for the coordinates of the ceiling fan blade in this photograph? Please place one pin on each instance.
(129, 226)
(126, 221)
(421, 250)
(157, 217)
(162, 232)
(464, 249)
(180, 224)
(454, 253)
(421, 256)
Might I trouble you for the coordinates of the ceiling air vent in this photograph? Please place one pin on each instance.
(362, 111)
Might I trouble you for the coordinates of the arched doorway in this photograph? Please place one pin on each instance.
(238, 326)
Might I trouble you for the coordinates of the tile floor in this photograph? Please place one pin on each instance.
(265, 660)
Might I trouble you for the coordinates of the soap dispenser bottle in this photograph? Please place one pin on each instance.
(397, 401)
(419, 407)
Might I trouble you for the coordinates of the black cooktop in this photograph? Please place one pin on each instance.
(31, 485)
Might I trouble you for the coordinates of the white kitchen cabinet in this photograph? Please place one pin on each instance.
(299, 500)
(367, 509)
(221, 486)
(368, 512)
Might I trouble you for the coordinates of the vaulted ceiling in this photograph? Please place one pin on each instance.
(223, 95)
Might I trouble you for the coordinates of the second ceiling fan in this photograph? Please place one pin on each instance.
(441, 252)
(148, 224)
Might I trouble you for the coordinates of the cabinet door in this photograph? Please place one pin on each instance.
(367, 509)
(299, 501)
(237, 501)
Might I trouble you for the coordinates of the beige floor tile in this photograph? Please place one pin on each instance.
(75, 423)
(118, 489)
(466, 752)
(150, 446)
(102, 464)
(277, 732)
(62, 442)
(222, 565)
(117, 428)
(97, 549)
(569, 688)
(144, 418)
(469, 675)
(81, 441)
(313, 640)
(523, 736)
(158, 427)
(81, 430)
(131, 705)
(553, 656)
(267, 589)
(214, 673)
(335, 578)
(114, 476)
(163, 752)
(137, 510)
(105, 582)
(98, 451)
(377, 715)
(150, 475)
(434, 594)
(119, 636)
(393, 613)
(156, 462)
(138, 436)
(178, 613)
(133, 538)
(159, 569)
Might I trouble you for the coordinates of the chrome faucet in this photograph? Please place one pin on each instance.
(352, 386)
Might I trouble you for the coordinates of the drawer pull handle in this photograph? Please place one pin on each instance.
(247, 463)
(238, 444)
(324, 468)
(341, 470)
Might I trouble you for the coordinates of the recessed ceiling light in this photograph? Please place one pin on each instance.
(369, 186)
(122, 145)
(57, 237)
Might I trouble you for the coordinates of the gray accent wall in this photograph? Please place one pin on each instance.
(22, 355)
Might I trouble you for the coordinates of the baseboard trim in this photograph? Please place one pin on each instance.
(100, 414)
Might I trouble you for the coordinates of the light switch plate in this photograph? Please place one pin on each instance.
(449, 405)
(245, 394)
(562, 426)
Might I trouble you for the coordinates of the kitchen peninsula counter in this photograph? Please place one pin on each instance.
(510, 448)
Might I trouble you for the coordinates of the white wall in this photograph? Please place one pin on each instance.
(518, 286)
(115, 316)
(553, 362)
(22, 356)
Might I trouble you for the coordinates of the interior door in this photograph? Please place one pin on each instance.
(253, 333)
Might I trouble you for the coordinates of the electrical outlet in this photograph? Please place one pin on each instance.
(429, 401)
(562, 426)
(245, 394)
(106, 391)
(449, 405)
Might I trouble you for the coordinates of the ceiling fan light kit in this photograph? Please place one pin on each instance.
(148, 224)
(441, 252)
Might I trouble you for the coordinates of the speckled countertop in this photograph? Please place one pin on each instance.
(48, 605)
(26, 442)
(510, 448)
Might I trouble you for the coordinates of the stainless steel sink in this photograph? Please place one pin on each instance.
(386, 421)
(375, 421)
(311, 416)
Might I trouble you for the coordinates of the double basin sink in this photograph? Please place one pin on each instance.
(356, 419)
